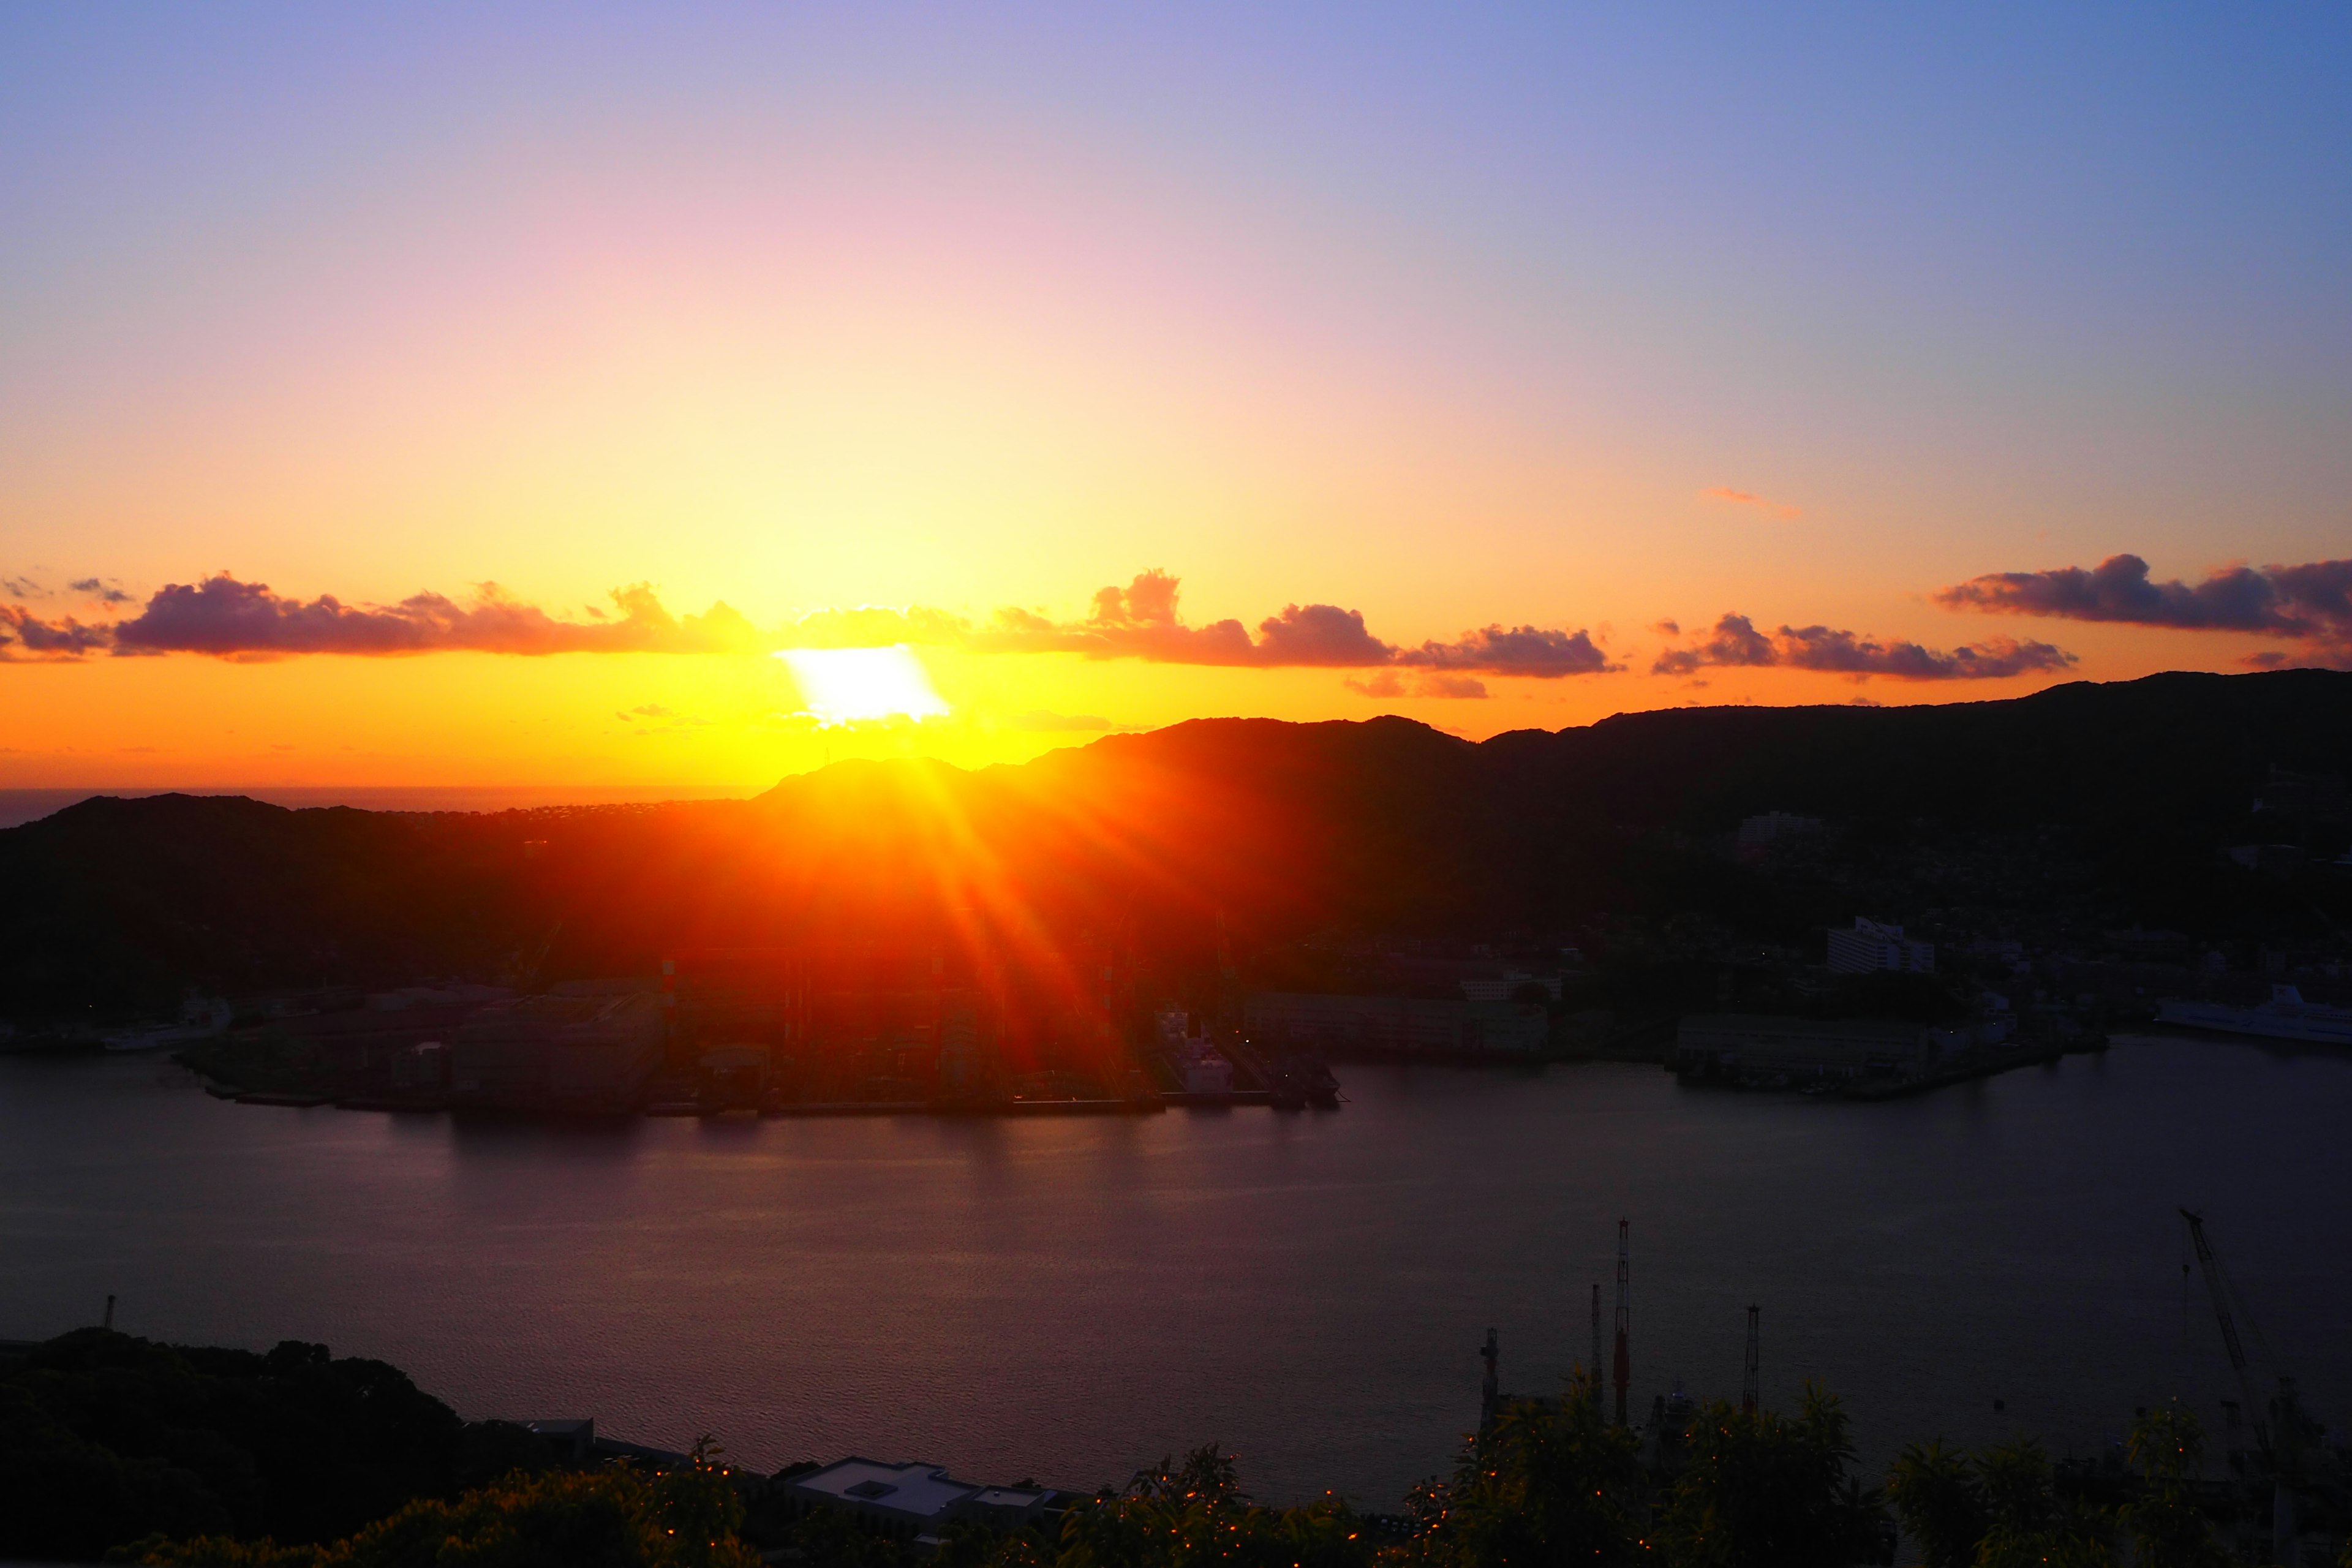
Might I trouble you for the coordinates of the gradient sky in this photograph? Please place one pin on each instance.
(1555, 318)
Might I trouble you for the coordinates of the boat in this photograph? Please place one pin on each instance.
(200, 1019)
(2285, 1016)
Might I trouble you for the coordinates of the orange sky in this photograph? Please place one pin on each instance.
(801, 316)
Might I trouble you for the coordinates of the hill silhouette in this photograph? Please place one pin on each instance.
(115, 905)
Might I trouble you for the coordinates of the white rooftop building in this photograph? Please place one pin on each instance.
(915, 1500)
(1872, 944)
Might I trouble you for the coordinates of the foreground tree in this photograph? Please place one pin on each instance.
(1548, 1481)
(615, 1518)
(2164, 1524)
(1196, 1514)
(1761, 1491)
(106, 1438)
(2001, 1507)
(1941, 1503)
(2028, 1523)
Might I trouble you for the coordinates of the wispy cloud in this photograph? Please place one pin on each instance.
(1780, 511)
(1039, 720)
(105, 593)
(1735, 642)
(2310, 603)
(1387, 683)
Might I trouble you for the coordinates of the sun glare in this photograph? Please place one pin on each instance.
(844, 684)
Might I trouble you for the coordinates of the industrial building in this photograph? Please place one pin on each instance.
(1398, 1026)
(1873, 944)
(592, 1054)
(1746, 1046)
(1198, 1067)
(914, 1501)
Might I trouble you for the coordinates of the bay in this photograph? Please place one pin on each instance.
(1068, 1299)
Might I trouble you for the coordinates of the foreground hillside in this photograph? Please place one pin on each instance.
(114, 906)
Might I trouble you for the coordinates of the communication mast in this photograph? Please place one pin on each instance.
(1624, 1308)
(1750, 1377)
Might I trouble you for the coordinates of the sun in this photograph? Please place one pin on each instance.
(842, 684)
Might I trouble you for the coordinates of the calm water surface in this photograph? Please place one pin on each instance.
(1069, 1298)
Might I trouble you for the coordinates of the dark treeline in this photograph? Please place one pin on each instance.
(1279, 829)
(105, 1438)
(216, 1458)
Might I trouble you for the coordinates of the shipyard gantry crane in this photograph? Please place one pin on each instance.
(2211, 1268)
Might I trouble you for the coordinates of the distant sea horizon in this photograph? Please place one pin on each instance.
(19, 806)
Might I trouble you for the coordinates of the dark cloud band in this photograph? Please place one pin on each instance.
(2310, 603)
(1735, 642)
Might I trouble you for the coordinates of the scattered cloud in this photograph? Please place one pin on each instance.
(21, 588)
(1780, 511)
(1142, 621)
(648, 710)
(223, 617)
(1735, 642)
(1521, 650)
(2311, 603)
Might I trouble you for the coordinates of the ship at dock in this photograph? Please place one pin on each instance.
(2285, 1016)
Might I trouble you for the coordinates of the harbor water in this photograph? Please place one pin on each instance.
(1070, 1298)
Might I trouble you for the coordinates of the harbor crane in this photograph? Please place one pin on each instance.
(2211, 1268)
(2290, 1451)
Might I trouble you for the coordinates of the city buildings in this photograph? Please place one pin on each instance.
(593, 1053)
(1749, 1046)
